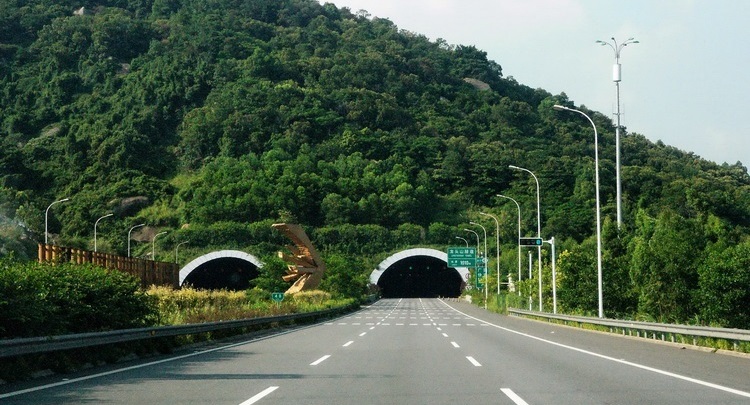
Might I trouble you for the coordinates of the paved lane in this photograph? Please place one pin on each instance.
(418, 351)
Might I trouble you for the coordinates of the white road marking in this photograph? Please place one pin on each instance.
(348, 343)
(513, 397)
(445, 334)
(628, 363)
(362, 334)
(474, 362)
(259, 396)
(455, 345)
(320, 360)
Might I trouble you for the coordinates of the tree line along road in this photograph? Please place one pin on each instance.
(412, 351)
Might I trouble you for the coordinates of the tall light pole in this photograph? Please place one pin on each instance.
(129, 231)
(486, 273)
(153, 244)
(598, 209)
(497, 245)
(477, 235)
(538, 229)
(46, 215)
(518, 242)
(178, 246)
(617, 77)
(463, 239)
(97, 223)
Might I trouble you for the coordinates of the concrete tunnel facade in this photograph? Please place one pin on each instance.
(419, 273)
(411, 273)
(223, 269)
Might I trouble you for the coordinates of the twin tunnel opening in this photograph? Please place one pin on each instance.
(410, 276)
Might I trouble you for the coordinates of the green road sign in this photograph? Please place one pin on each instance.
(462, 256)
(480, 273)
(530, 241)
(277, 296)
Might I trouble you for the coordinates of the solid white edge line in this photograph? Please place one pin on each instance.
(259, 395)
(320, 360)
(625, 362)
(152, 363)
(473, 361)
(513, 397)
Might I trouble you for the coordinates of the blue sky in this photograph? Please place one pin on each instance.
(687, 82)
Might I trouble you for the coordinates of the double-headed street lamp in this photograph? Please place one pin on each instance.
(617, 77)
(97, 223)
(129, 231)
(518, 242)
(538, 229)
(46, 215)
(497, 245)
(486, 287)
(598, 208)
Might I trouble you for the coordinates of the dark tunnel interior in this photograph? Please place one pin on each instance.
(420, 277)
(223, 273)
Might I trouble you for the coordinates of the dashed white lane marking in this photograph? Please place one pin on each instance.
(445, 334)
(348, 343)
(455, 345)
(362, 334)
(474, 362)
(628, 363)
(513, 397)
(260, 395)
(320, 360)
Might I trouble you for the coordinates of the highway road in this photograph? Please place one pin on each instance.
(412, 351)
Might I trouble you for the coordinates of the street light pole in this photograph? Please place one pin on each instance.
(617, 77)
(551, 241)
(477, 235)
(46, 215)
(497, 245)
(463, 239)
(153, 245)
(178, 246)
(129, 231)
(518, 242)
(598, 208)
(486, 273)
(538, 229)
(97, 223)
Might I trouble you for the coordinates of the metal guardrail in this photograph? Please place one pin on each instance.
(16, 347)
(734, 335)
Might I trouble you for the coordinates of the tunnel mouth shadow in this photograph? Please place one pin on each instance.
(420, 277)
(224, 273)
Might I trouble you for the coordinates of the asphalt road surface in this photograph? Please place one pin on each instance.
(412, 351)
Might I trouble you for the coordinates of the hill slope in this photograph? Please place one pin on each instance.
(222, 113)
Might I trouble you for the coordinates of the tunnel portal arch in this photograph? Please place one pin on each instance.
(419, 272)
(227, 269)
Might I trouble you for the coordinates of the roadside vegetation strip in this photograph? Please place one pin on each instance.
(16, 347)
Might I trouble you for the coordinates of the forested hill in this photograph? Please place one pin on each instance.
(206, 112)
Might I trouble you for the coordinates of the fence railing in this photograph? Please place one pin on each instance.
(148, 271)
(647, 329)
(17, 347)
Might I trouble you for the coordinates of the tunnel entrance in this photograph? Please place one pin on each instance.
(420, 277)
(225, 273)
(226, 269)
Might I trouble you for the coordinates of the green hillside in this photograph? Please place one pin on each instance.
(214, 118)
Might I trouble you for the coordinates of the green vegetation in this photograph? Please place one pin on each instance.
(216, 118)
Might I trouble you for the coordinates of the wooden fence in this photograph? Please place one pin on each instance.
(148, 271)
